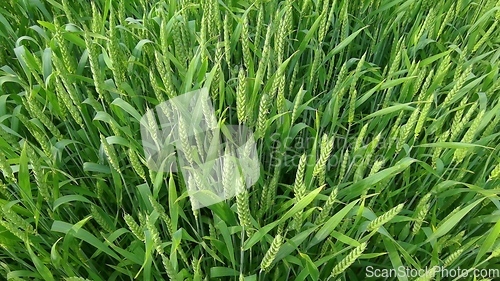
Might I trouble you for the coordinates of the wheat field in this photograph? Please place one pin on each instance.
(376, 126)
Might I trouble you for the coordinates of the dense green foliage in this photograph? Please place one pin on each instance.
(376, 122)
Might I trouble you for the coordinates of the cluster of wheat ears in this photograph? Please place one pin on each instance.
(404, 95)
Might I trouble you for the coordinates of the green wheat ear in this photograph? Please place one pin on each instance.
(271, 253)
(348, 260)
(385, 218)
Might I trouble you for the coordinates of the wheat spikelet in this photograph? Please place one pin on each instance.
(474, 128)
(421, 212)
(456, 127)
(162, 214)
(136, 164)
(360, 138)
(213, 233)
(228, 173)
(455, 240)
(70, 89)
(385, 218)
(299, 185)
(352, 105)
(169, 268)
(495, 173)
(262, 117)
(325, 151)
(210, 118)
(446, 20)
(425, 86)
(493, 89)
(39, 137)
(269, 192)
(215, 18)
(296, 104)
(279, 47)
(453, 257)
(428, 23)
(264, 61)
(37, 112)
(180, 49)
(496, 252)
(343, 165)
(314, 66)
(344, 25)
(68, 103)
(34, 72)
(96, 18)
(136, 230)
(241, 99)
(100, 219)
(458, 70)
(469, 136)
(259, 25)
(17, 220)
(115, 54)
(186, 146)
(162, 65)
(245, 42)
(299, 189)
(437, 151)
(197, 273)
(215, 85)
(12, 228)
(305, 5)
(110, 154)
(155, 235)
(325, 20)
(94, 65)
(280, 100)
(327, 207)
(458, 85)
(396, 127)
(163, 37)
(271, 253)
(326, 247)
(227, 38)
(397, 60)
(428, 275)
(370, 151)
(348, 260)
(67, 11)
(9, 138)
(422, 118)
(185, 37)
(243, 207)
(156, 86)
(485, 37)
(6, 169)
(192, 186)
(4, 191)
(203, 39)
(357, 71)
(293, 78)
(377, 165)
(407, 129)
